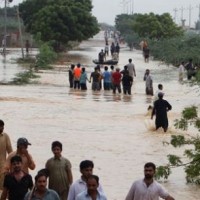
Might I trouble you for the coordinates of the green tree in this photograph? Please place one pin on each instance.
(156, 26)
(148, 25)
(176, 49)
(124, 23)
(59, 21)
(135, 28)
(192, 153)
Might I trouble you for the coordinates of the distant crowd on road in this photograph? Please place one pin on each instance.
(117, 81)
(55, 180)
(109, 79)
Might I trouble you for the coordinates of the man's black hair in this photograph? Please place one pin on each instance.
(1, 122)
(56, 144)
(160, 86)
(42, 172)
(94, 177)
(15, 158)
(150, 164)
(85, 164)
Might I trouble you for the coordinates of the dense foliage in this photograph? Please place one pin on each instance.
(45, 57)
(150, 25)
(25, 77)
(136, 27)
(60, 21)
(191, 159)
(177, 49)
(167, 42)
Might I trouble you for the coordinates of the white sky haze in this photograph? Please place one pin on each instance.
(106, 10)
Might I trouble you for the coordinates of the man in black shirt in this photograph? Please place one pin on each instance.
(71, 76)
(17, 183)
(96, 78)
(160, 109)
(101, 57)
(127, 82)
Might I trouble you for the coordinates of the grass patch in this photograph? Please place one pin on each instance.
(25, 77)
(25, 60)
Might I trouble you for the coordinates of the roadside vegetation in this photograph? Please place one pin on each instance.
(190, 160)
(26, 77)
(167, 42)
(56, 27)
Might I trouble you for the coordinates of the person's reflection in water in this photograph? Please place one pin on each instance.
(127, 98)
(117, 98)
(80, 94)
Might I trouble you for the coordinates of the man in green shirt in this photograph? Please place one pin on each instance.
(59, 169)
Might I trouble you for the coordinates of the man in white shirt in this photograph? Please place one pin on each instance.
(147, 188)
(160, 89)
(181, 71)
(86, 169)
(131, 68)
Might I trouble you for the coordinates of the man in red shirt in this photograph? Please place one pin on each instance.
(116, 80)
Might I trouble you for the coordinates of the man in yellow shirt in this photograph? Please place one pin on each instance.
(5, 148)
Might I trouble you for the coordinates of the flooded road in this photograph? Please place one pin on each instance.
(112, 130)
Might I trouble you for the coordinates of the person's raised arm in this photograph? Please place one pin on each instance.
(31, 164)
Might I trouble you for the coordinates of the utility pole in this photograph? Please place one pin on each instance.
(182, 20)
(132, 7)
(199, 11)
(4, 43)
(190, 14)
(20, 32)
(175, 14)
(182, 9)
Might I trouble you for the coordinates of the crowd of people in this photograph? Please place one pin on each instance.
(109, 79)
(17, 184)
(113, 79)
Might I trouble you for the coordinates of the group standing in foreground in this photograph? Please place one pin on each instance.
(18, 183)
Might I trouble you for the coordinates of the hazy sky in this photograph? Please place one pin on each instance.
(106, 10)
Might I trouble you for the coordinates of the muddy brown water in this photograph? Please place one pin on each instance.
(112, 130)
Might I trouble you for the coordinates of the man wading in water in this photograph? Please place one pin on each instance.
(160, 109)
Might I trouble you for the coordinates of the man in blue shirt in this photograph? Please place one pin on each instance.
(106, 78)
(40, 191)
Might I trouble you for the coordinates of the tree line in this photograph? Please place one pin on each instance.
(167, 41)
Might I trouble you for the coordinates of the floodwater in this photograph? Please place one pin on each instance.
(112, 130)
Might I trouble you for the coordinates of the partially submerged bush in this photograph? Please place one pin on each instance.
(24, 78)
(45, 57)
